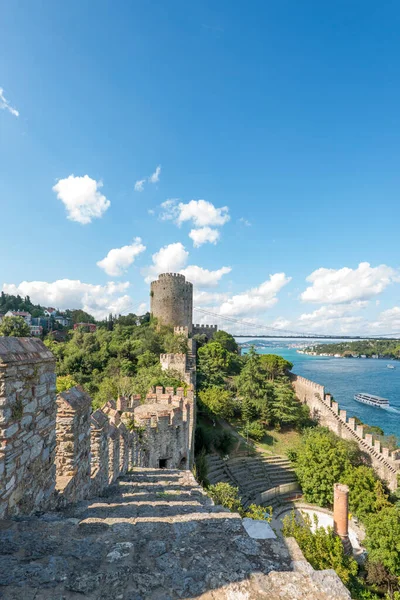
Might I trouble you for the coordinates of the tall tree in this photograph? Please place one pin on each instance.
(15, 327)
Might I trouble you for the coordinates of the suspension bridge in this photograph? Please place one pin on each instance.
(241, 328)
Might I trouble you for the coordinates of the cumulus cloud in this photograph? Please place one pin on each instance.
(203, 278)
(82, 198)
(204, 235)
(335, 286)
(280, 323)
(169, 259)
(200, 212)
(388, 321)
(173, 259)
(335, 318)
(118, 260)
(98, 300)
(139, 185)
(5, 105)
(155, 177)
(204, 298)
(255, 300)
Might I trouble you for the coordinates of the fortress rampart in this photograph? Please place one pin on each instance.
(207, 330)
(328, 413)
(55, 451)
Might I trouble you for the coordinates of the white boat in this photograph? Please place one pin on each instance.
(390, 366)
(371, 400)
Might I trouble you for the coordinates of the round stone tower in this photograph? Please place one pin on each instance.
(171, 300)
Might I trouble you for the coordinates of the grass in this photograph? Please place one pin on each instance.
(279, 442)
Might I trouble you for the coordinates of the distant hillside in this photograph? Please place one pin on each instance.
(368, 348)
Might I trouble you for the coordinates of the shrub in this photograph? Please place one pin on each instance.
(322, 549)
(226, 495)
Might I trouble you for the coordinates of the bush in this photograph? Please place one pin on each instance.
(322, 549)
(200, 469)
(226, 495)
(254, 430)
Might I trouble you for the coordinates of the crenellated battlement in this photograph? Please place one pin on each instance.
(328, 413)
(55, 451)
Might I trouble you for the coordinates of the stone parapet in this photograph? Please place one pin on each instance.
(27, 425)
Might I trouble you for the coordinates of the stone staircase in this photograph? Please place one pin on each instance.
(253, 475)
(154, 535)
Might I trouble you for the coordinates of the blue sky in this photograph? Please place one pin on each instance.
(282, 117)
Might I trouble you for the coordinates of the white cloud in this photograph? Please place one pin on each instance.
(203, 298)
(204, 235)
(82, 198)
(155, 177)
(98, 300)
(203, 278)
(245, 222)
(335, 318)
(5, 105)
(173, 258)
(255, 300)
(201, 212)
(280, 323)
(139, 185)
(388, 321)
(335, 286)
(169, 259)
(118, 260)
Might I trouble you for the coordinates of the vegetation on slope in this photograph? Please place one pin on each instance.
(381, 348)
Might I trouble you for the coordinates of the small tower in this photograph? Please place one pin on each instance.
(171, 300)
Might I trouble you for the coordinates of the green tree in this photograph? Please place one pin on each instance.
(367, 494)
(322, 460)
(275, 366)
(215, 363)
(65, 382)
(253, 388)
(285, 409)
(321, 548)
(217, 401)
(226, 340)
(14, 327)
(383, 538)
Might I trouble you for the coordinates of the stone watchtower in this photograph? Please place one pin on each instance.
(171, 300)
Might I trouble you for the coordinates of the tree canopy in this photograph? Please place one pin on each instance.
(15, 327)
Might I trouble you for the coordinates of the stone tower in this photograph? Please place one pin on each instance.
(171, 300)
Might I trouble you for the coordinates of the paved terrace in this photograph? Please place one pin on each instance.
(153, 535)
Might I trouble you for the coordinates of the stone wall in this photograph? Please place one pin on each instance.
(165, 423)
(73, 466)
(328, 413)
(54, 451)
(27, 425)
(171, 300)
(207, 330)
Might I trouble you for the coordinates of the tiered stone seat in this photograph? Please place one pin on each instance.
(252, 474)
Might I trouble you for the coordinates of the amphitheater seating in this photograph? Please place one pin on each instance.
(252, 475)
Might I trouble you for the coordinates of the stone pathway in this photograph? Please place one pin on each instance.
(157, 536)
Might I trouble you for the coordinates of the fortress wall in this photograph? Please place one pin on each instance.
(55, 451)
(73, 444)
(27, 425)
(207, 330)
(328, 413)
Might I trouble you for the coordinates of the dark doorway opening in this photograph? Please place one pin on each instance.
(162, 463)
(182, 463)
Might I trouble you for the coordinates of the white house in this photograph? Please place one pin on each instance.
(50, 311)
(20, 313)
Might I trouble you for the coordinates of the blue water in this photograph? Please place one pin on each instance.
(344, 377)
